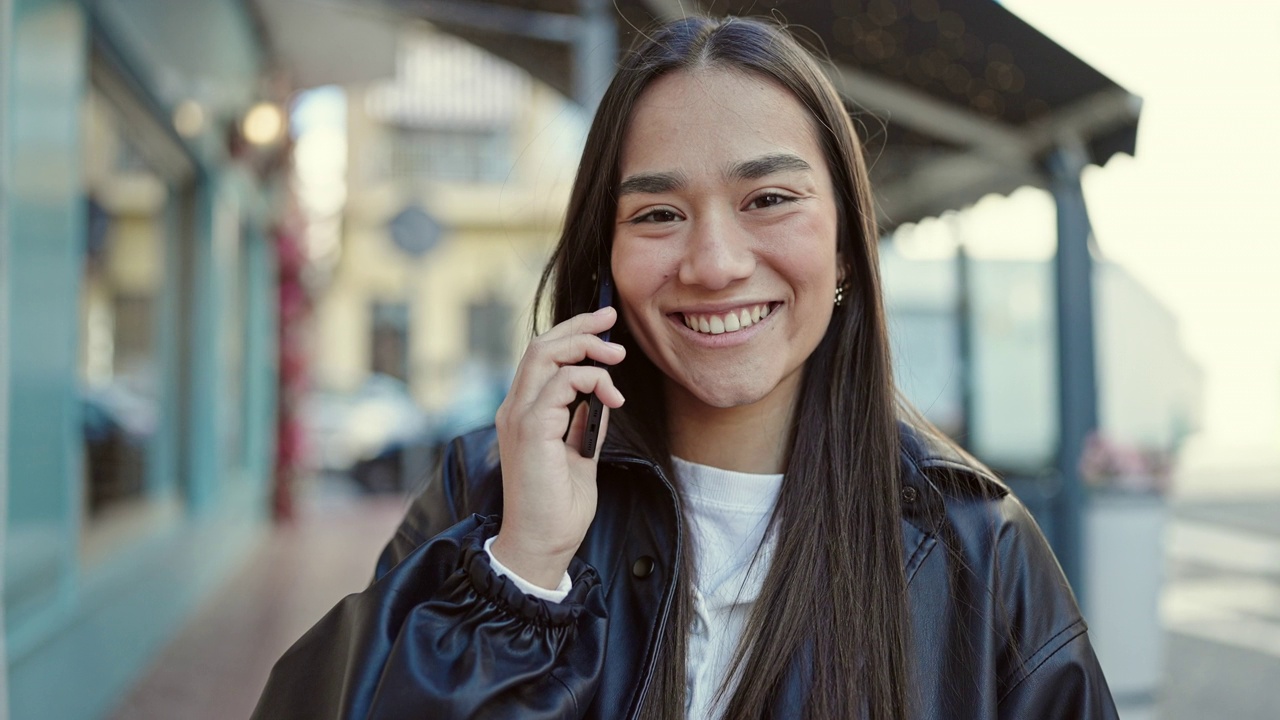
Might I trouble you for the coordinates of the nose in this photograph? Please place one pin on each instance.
(717, 253)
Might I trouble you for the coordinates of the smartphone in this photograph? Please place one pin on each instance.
(595, 408)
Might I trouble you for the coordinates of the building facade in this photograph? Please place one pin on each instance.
(458, 175)
(138, 357)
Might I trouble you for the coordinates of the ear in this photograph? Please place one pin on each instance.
(842, 269)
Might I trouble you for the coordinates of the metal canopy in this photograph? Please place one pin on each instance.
(324, 43)
(957, 98)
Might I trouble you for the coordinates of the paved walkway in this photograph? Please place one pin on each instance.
(1221, 609)
(218, 664)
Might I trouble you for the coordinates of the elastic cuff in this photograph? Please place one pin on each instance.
(503, 591)
(526, 587)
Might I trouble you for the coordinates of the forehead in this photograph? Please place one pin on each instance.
(707, 118)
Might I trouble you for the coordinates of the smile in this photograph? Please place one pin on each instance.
(729, 321)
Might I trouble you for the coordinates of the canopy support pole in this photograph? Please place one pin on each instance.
(1077, 378)
(595, 53)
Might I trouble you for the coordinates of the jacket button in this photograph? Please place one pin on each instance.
(643, 567)
(909, 494)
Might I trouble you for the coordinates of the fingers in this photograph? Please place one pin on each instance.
(571, 350)
(554, 349)
(547, 415)
(572, 380)
(589, 323)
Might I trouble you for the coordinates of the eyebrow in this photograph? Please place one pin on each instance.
(754, 169)
(652, 183)
(767, 165)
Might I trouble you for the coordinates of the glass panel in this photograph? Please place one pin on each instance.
(130, 215)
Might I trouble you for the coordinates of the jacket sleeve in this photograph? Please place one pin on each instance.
(438, 634)
(442, 636)
(1065, 683)
(1051, 670)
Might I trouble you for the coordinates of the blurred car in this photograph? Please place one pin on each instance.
(377, 435)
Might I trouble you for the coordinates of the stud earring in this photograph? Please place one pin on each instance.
(840, 288)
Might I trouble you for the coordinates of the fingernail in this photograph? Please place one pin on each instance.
(616, 346)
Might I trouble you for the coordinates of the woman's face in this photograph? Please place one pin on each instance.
(724, 247)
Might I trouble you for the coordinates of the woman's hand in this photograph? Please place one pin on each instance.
(549, 489)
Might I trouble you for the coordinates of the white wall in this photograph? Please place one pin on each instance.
(1149, 389)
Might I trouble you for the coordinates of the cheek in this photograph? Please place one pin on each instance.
(637, 272)
(637, 278)
(806, 258)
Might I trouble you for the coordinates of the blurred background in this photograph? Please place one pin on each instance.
(260, 258)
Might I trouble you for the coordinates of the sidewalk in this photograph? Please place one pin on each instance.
(1221, 608)
(218, 664)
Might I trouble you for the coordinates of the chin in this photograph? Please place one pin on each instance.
(728, 395)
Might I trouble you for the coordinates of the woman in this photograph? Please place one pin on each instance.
(761, 535)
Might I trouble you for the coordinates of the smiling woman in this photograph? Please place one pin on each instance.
(767, 531)
(726, 219)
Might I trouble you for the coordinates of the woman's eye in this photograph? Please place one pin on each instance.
(656, 216)
(769, 200)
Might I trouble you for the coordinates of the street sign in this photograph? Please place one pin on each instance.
(414, 231)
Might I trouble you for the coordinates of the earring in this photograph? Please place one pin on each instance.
(840, 288)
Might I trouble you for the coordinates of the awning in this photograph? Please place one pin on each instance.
(328, 43)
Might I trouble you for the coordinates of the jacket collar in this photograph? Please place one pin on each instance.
(931, 470)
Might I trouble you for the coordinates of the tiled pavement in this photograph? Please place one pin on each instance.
(218, 664)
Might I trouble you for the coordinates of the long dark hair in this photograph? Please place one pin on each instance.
(834, 600)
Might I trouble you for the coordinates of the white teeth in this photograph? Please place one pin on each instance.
(728, 322)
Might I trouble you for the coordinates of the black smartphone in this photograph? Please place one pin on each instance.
(595, 408)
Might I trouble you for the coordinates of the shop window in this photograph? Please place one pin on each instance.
(134, 211)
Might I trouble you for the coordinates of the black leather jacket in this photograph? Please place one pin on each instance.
(996, 630)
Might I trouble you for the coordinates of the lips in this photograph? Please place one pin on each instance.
(728, 321)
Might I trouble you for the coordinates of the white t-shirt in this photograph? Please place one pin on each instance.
(728, 513)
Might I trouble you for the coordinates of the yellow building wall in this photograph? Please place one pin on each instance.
(497, 238)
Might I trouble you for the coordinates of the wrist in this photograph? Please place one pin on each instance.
(541, 567)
